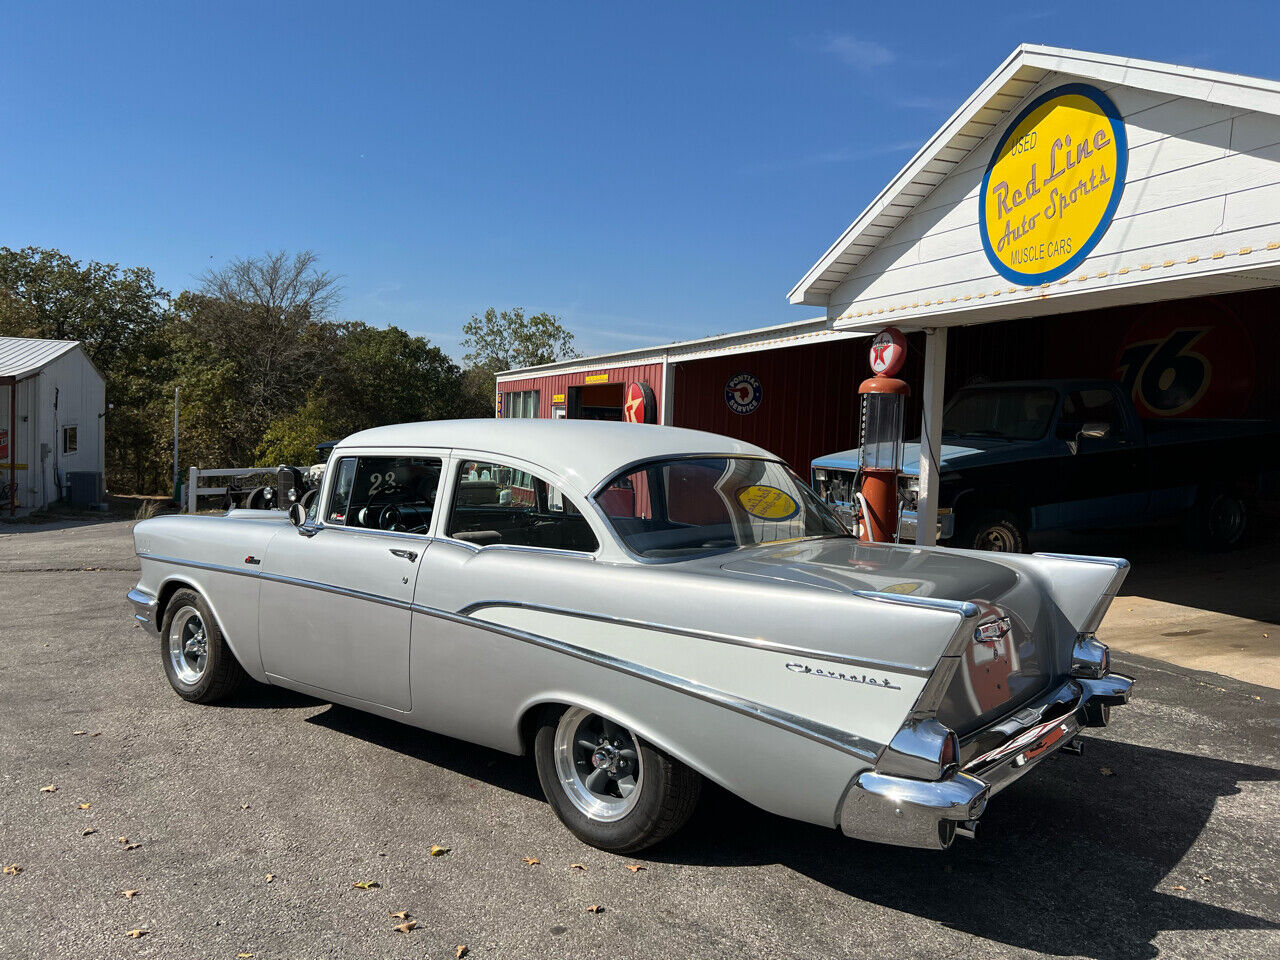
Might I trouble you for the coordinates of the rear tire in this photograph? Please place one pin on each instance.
(1220, 520)
(995, 530)
(200, 666)
(578, 755)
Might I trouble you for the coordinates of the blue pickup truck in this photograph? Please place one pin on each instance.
(1023, 457)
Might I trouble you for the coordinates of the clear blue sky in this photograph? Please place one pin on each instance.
(648, 172)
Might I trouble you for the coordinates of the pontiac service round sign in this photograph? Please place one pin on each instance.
(742, 393)
(1053, 184)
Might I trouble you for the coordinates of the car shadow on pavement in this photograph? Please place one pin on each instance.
(502, 770)
(1070, 862)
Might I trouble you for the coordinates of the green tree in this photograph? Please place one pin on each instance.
(506, 340)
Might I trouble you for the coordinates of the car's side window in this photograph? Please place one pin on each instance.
(1089, 406)
(340, 494)
(495, 503)
(387, 493)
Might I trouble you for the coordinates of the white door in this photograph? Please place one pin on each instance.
(334, 611)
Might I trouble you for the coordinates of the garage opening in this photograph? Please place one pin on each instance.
(597, 401)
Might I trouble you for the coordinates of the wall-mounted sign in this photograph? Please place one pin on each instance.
(888, 352)
(640, 406)
(557, 398)
(767, 503)
(596, 378)
(742, 393)
(1053, 184)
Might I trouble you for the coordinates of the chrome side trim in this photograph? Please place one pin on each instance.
(841, 740)
(964, 608)
(751, 642)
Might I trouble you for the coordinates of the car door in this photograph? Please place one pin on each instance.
(1100, 480)
(334, 612)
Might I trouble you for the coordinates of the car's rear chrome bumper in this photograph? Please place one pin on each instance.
(144, 609)
(930, 813)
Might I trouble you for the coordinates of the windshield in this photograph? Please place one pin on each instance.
(680, 508)
(1005, 413)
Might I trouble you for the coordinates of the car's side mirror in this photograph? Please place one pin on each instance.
(297, 514)
(1095, 431)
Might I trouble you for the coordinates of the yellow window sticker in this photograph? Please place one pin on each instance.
(767, 503)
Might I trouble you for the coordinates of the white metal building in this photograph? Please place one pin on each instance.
(52, 405)
(1177, 174)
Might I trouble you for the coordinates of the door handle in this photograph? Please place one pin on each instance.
(405, 554)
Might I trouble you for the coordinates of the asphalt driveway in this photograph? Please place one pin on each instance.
(247, 825)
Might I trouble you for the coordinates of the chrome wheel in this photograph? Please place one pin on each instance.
(598, 765)
(188, 645)
(1226, 519)
(995, 538)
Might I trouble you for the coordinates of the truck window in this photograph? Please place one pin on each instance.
(1097, 405)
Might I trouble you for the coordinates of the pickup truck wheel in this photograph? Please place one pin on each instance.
(199, 664)
(611, 789)
(1219, 520)
(996, 530)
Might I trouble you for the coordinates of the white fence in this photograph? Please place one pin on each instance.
(195, 491)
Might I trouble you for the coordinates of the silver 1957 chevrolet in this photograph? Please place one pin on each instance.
(641, 607)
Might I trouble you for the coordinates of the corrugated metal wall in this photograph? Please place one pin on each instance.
(808, 398)
(550, 386)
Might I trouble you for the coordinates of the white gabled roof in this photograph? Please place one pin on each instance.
(21, 357)
(990, 106)
(583, 452)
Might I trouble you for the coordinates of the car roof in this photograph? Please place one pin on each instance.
(585, 453)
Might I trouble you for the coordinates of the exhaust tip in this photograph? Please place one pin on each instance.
(1075, 748)
(967, 829)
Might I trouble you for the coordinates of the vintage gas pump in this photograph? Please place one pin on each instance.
(883, 399)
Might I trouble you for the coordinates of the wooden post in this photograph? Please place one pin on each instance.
(935, 372)
(193, 478)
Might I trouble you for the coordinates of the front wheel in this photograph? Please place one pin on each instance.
(610, 788)
(199, 664)
(995, 530)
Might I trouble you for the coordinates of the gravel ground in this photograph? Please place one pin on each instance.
(1163, 839)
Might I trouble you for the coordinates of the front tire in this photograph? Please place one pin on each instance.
(610, 788)
(995, 530)
(199, 664)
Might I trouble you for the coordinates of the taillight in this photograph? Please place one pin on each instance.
(949, 759)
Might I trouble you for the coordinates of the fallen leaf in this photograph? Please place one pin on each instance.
(1266, 636)
(1178, 887)
(1204, 879)
(243, 956)
(270, 877)
(85, 806)
(462, 951)
(78, 733)
(12, 870)
(406, 926)
(366, 884)
(137, 933)
(437, 850)
(577, 866)
(1106, 771)
(399, 914)
(130, 894)
(96, 733)
(132, 846)
(51, 788)
(244, 806)
(88, 830)
(122, 839)
(636, 867)
(595, 908)
(532, 861)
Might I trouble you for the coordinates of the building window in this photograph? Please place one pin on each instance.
(68, 439)
(522, 404)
